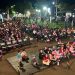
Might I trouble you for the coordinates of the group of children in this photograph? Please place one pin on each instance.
(49, 56)
(57, 54)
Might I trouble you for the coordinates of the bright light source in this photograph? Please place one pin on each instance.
(4, 13)
(49, 11)
(53, 3)
(38, 10)
(68, 14)
(44, 8)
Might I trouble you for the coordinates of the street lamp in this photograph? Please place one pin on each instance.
(53, 3)
(38, 10)
(44, 8)
(49, 11)
(56, 9)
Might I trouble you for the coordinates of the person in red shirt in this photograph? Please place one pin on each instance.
(46, 60)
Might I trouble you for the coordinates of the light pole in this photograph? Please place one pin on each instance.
(45, 8)
(48, 11)
(38, 12)
(45, 11)
(56, 9)
(38, 18)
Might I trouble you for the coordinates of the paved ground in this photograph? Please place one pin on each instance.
(61, 70)
(6, 69)
(29, 68)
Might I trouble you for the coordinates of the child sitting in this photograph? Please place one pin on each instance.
(35, 63)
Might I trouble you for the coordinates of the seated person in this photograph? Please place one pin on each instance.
(46, 50)
(24, 56)
(46, 61)
(53, 59)
(35, 62)
(71, 49)
(18, 56)
(41, 54)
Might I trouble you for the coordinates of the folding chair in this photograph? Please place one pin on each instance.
(20, 42)
(25, 41)
(14, 43)
(4, 47)
(31, 40)
(9, 46)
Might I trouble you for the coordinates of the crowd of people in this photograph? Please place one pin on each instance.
(49, 56)
(14, 33)
(46, 34)
(57, 54)
(11, 35)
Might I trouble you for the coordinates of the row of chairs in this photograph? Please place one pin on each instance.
(7, 46)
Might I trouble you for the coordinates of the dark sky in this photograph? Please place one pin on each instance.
(68, 1)
(4, 3)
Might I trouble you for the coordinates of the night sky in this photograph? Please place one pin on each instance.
(5, 3)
